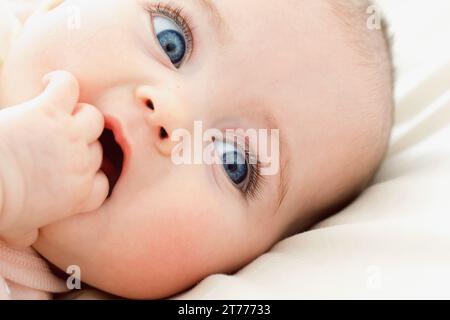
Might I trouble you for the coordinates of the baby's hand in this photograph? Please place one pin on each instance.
(50, 159)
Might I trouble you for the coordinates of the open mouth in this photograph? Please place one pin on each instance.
(113, 158)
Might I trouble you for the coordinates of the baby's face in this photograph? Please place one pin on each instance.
(231, 64)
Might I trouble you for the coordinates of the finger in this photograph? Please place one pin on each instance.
(62, 91)
(21, 240)
(98, 194)
(90, 121)
(96, 155)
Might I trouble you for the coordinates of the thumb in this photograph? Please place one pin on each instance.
(62, 91)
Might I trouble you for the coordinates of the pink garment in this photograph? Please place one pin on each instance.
(24, 275)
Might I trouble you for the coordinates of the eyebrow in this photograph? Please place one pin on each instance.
(212, 9)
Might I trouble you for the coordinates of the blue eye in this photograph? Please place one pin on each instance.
(234, 163)
(172, 39)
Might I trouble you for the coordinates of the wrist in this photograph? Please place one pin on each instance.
(11, 189)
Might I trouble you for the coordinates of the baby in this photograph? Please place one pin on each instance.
(93, 92)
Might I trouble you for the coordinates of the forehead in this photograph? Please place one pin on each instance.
(270, 50)
(264, 31)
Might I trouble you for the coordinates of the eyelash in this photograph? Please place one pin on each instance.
(252, 190)
(177, 15)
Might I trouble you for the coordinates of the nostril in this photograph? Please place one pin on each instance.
(150, 105)
(163, 134)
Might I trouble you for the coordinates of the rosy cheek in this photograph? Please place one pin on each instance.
(170, 250)
(182, 234)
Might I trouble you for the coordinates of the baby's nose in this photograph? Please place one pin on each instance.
(164, 115)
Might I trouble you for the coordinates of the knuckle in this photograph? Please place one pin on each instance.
(96, 115)
(69, 81)
(50, 109)
(81, 165)
(92, 113)
(97, 155)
